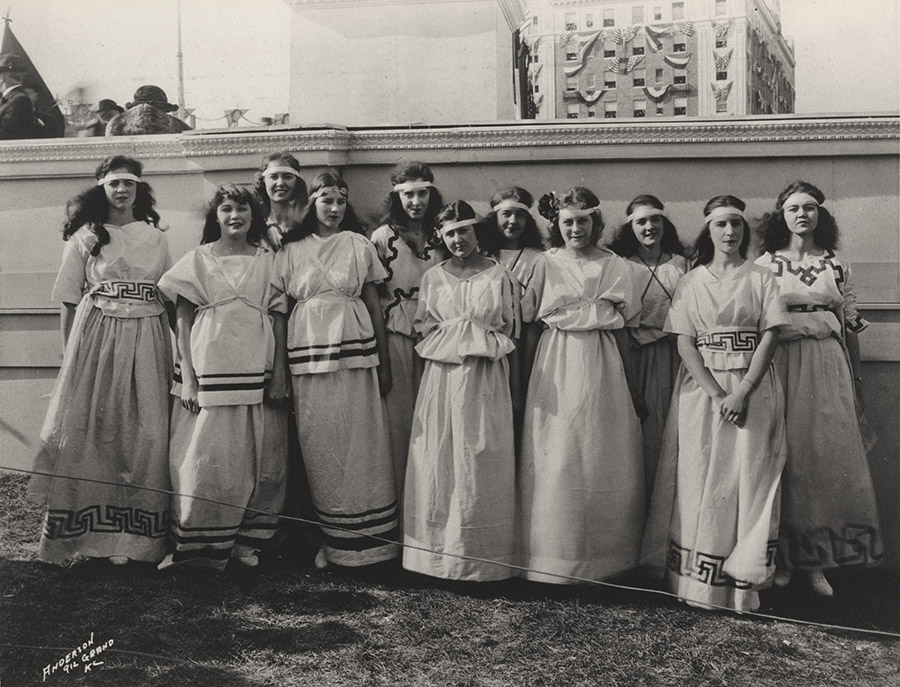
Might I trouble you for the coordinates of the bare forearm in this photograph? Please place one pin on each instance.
(66, 318)
(693, 361)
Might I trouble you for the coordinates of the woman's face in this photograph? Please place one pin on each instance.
(511, 222)
(577, 230)
(121, 194)
(415, 201)
(801, 213)
(648, 230)
(279, 185)
(460, 241)
(726, 233)
(330, 209)
(234, 218)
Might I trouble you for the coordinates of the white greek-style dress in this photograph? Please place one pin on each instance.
(713, 520)
(581, 477)
(341, 423)
(399, 300)
(828, 512)
(460, 477)
(519, 261)
(108, 418)
(234, 450)
(654, 354)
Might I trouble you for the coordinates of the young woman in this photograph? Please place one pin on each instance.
(649, 242)
(714, 513)
(283, 194)
(406, 248)
(325, 276)
(460, 480)
(227, 445)
(581, 478)
(511, 235)
(109, 414)
(828, 515)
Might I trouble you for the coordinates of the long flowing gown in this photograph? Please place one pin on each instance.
(460, 479)
(828, 512)
(108, 418)
(234, 450)
(581, 478)
(341, 423)
(713, 520)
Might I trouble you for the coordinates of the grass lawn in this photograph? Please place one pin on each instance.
(287, 624)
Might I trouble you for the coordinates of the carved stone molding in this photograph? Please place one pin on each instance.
(552, 134)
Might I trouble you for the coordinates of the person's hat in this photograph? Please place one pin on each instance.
(153, 95)
(11, 63)
(107, 104)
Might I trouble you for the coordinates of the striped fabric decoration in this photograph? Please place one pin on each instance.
(227, 388)
(679, 62)
(333, 356)
(347, 532)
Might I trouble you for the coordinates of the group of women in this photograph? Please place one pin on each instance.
(500, 410)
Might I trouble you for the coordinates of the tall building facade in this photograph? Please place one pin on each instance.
(631, 58)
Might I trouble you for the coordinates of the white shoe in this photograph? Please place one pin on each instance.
(249, 561)
(118, 560)
(321, 559)
(819, 584)
(783, 577)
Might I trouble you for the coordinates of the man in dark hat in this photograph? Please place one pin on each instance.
(146, 115)
(17, 118)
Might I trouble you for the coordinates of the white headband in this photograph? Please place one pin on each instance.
(578, 212)
(510, 204)
(644, 211)
(457, 225)
(725, 211)
(412, 186)
(328, 189)
(280, 169)
(118, 175)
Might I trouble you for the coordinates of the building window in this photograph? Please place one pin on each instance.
(640, 108)
(677, 10)
(660, 110)
(534, 58)
(571, 24)
(571, 85)
(721, 8)
(637, 14)
(609, 53)
(609, 110)
(572, 111)
(657, 14)
(679, 77)
(721, 43)
(609, 17)
(637, 50)
(639, 77)
(680, 106)
(537, 88)
(721, 106)
(659, 75)
(589, 20)
(610, 82)
(534, 20)
(678, 47)
(571, 56)
(591, 113)
(721, 76)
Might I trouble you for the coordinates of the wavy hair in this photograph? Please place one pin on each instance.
(704, 249)
(778, 236)
(299, 195)
(90, 208)
(626, 244)
(241, 195)
(493, 235)
(575, 196)
(307, 223)
(393, 212)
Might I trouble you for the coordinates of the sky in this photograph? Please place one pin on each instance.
(236, 53)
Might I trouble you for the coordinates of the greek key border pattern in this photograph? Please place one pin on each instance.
(462, 137)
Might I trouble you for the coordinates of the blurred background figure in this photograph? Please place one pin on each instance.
(17, 117)
(147, 115)
(106, 110)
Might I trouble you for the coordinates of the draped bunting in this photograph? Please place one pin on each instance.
(654, 33)
(538, 99)
(680, 62)
(582, 55)
(590, 99)
(721, 92)
(656, 93)
(723, 57)
(564, 38)
(622, 65)
(632, 62)
(535, 43)
(721, 28)
(687, 27)
(612, 65)
(534, 71)
(622, 36)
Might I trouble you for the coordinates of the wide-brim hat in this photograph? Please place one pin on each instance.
(10, 62)
(155, 96)
(107, 104)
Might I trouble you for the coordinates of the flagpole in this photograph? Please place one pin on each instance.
(180, 56)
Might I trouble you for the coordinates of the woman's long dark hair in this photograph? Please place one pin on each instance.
(238, 194)
(704, 249)
(577, 195)
(393, 212)
(626, 244)
(492, 237)
(778, 236)
(298, 197)
(308, 222)
(91, 208)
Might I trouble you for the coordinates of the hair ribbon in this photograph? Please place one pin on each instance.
(116, 176)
